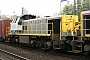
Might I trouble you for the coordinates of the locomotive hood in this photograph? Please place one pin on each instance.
(44, 18)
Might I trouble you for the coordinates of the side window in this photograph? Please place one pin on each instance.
(20, 21)
(24, 27)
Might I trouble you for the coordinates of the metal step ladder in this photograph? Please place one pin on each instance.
(77, 46)
(56, 44)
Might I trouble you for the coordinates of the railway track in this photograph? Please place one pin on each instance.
(13, 55)
(70, 56)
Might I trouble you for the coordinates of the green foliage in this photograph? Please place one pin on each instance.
(37, 16)
(7, 19)
(68, 9)
(79, 8)
(86, 5)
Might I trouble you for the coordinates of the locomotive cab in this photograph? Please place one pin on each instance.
(25, 17)
(16, 24)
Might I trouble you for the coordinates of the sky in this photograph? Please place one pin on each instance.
(36, 7)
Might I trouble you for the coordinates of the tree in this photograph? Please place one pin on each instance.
(82, 6)
(37, 16)
(86, 5)
(7, 18)
(68, 9)
(79, 8)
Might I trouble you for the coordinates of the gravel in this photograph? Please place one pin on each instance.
(32, 55)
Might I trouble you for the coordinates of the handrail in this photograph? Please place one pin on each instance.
(37, 29)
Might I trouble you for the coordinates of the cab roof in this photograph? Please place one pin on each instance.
(86, 12)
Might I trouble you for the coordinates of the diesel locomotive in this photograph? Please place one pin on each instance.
(62, 32)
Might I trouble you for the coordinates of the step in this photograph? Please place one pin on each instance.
(56, 48)
(76, 51)
(69, 51)
(78, 41)
(78, 45)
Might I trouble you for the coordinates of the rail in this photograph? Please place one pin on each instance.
(14, 55)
